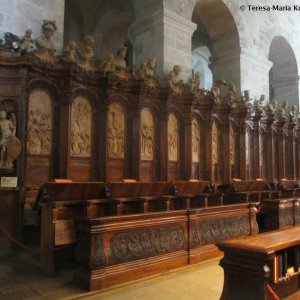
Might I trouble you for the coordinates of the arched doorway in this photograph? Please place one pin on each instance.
(283, 76)
(216, 42)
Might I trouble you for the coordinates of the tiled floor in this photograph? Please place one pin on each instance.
(21, 279)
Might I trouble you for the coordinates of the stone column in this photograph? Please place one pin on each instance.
(167, 37)
(254, 72)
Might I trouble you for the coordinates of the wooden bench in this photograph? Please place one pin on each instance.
(255, 267)
(58, 204)
(246, 191)
(198, 194)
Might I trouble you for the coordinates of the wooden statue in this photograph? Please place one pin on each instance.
(44, 45)
(119, 60)
(26, 44)
(10, 146)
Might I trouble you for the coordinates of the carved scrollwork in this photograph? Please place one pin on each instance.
(195, 241)
(146, 243)
(99, 258)
(216, 230)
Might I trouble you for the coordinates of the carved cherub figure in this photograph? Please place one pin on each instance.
(194, 83)
(150, 67)
(119, 60)
(70, 52)
(140, 71)
(108, 64)
(26, 43)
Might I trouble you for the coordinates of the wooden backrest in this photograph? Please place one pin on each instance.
(190, 187)
(249, 185)
(71, 191)
(289, 184)
(158, 188)
(123, 189)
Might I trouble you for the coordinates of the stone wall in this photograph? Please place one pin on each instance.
(18, 15)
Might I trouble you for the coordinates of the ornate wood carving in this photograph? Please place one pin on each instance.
(146, 243)
(216, 230)
(99, 258)
(116, 131)
(39, 139)
(172, 138)
(195, 141)
(147, 135)
(81, 121)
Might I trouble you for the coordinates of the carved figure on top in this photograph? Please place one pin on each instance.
(119, 60)
(44, 45)
(173, 81)
(11, 42)
(232, 98)
(194, 83)
(150, 67)
(258, 104)
(246, 98)
(85, 53)
(26, 43)
(10, 145)
(108, 64)
(293, 114)
(281, 112)
(216, 91)
(140, 71)
(70, 53)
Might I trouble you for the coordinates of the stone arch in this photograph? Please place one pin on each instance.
(109, 24)
(283, 76)
(217, 30)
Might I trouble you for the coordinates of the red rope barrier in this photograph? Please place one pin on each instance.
(13, 240)
(271, 291)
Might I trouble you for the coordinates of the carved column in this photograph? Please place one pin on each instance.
(222, 112)
(239, 116)
(164, 138)
(278, 148)
(289, 151)
(205, 108)
(267, 149)
(188, 136)
(297, 151)
(254, 145)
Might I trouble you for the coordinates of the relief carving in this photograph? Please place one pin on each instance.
(116, 131)
(195, 141)
(195, 241)
(286, 216)
(39, 123)
(99, 258)
(215, 146)
(147, 135)
(10, 145)
(216, 230)
(231, 145)
(146, 243)
(81, 128)
(172, 138)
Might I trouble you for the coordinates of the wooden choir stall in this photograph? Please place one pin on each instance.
(156, 171)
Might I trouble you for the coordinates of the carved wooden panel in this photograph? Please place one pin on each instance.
(115, 131)
(215, 144)
(195, 141)
(39, 124)
(147, 135)
(172, 138)
(81, 121)
(231, 146)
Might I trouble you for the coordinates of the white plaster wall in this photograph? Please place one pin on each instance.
(18, 15)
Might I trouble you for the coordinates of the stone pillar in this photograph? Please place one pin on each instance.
(297, 151)
(167, 37)
(254, 72)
